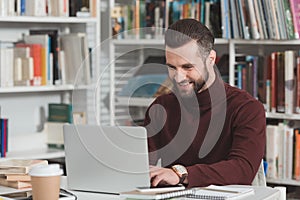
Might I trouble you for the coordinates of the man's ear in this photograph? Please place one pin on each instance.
(212, 57)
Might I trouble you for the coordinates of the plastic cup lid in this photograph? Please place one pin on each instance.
(46, 170)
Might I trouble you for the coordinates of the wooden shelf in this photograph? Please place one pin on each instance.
(52, 88)
(284, 182)
(145, 42)
(31, 146)
(44, 153)
(264, 42)
(282, 116)
(47, 19)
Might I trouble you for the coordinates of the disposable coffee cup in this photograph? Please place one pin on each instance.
(45, 181)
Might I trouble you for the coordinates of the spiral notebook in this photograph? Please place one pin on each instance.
(214, 192)
(211, 192)
(135, 194)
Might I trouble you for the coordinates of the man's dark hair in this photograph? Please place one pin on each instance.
(185, 30)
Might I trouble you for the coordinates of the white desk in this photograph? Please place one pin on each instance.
(261, 193)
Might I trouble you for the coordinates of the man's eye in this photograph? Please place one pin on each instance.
(171, 67)
(188, 67)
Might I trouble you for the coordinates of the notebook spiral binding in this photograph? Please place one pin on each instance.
(180, 193)
(194, 196)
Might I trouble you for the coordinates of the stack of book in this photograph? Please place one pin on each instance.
(14, 172)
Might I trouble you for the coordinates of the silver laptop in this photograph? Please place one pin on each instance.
(109, 159)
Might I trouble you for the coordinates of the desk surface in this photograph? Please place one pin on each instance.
(260, 193)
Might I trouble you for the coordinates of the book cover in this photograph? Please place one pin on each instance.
(54, 132)
(288, 19)
(298, 84)
(289, 66)
(253, 21)
(4, 136)
(296, 167)
(235, 27)
(258, 13)
(225, 16)
(280, 89)
(274, 73)
(262, 19)
(272, 150)
(19, 166)
(60, 112)
(288, 162)
(143, 85)
(279, 11)
(294, 5)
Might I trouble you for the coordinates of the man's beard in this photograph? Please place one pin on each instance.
(197, 86)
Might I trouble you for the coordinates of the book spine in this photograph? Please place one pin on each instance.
(296, 154)
(289, 60)
(288, 19)
(298, 85)
(280, 107)
(295, 11)
(253, 20)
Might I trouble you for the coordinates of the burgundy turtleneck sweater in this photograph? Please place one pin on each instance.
(219, 135)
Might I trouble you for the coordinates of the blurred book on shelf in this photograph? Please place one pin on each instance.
(148, 79)
(60, 112)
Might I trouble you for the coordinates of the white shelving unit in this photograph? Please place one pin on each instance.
(48, 19)
(26, 107)
(284, 182)
(136, 50)
(120, 111)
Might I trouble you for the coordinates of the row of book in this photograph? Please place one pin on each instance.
(283, 152)
(249, 19)
(45, 58)
(273, 79)
(157, 15)
(40, 8)
(239, 19)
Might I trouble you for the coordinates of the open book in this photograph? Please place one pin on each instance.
(211, 192)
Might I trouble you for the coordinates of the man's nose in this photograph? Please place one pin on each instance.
(180, 76)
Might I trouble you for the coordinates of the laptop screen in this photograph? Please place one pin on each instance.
(110, 159)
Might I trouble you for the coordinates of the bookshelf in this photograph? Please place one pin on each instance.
(26, 106)
(129, 50)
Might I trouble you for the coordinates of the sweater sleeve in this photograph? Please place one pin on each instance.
(244, 158)
(154, 121)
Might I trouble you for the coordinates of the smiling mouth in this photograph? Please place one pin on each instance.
(184, 83)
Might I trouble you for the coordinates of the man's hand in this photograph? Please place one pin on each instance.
(163, 176)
